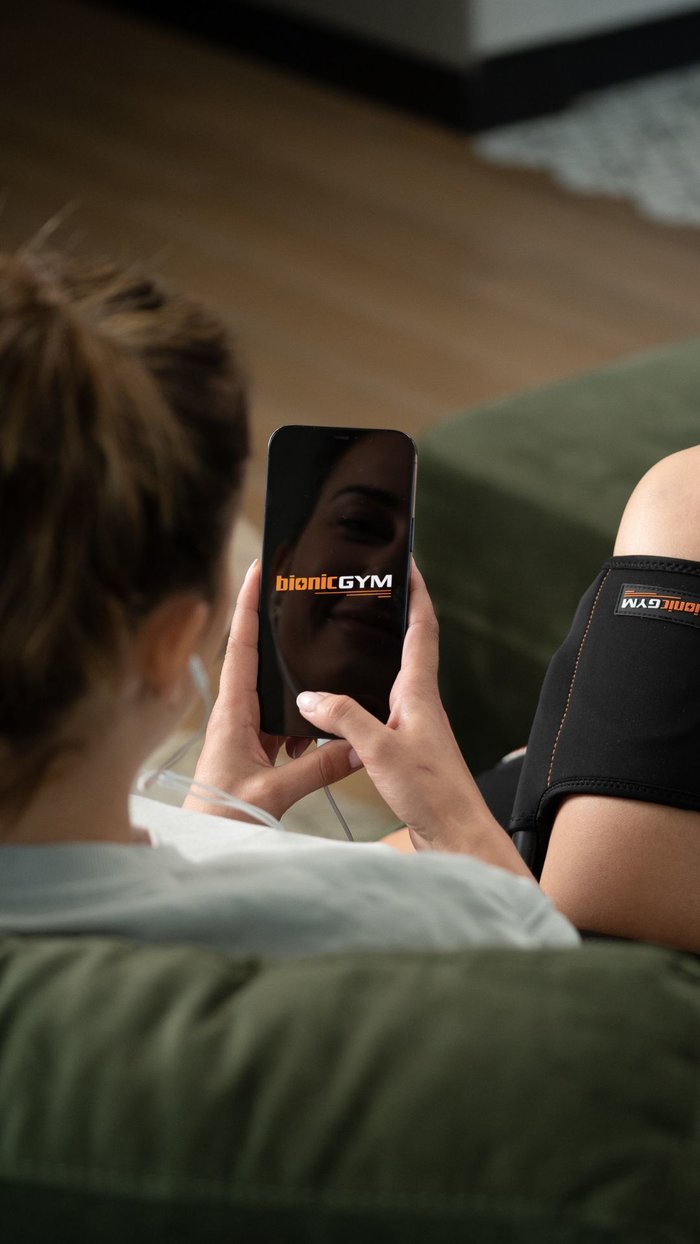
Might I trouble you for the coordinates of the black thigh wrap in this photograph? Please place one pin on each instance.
(619, 711)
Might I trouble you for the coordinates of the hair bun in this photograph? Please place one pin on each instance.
(123, 436)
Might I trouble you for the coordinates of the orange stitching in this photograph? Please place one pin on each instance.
(573, 678)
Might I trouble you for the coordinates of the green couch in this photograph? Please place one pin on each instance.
(489, 1097)
(495, 1097)
(518, 504)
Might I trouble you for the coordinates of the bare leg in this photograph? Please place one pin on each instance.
(620, 866)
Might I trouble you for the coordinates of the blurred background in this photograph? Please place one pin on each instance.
(334, 178)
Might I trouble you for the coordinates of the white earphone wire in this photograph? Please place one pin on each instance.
(164, 776)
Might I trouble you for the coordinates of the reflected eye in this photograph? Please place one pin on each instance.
(367, 526)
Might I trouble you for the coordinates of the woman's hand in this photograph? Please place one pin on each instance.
(414, 760)
(236, 756)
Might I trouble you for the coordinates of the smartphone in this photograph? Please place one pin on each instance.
(337, 542)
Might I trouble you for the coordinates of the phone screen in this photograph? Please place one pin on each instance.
(335, 568)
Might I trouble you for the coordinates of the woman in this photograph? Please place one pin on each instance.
(122, 444)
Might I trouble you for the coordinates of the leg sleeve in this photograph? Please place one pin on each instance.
(619, 712)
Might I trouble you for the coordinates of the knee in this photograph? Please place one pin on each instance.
(662, 517)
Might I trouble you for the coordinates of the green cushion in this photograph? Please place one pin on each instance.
(517, 507)
(494, 1097)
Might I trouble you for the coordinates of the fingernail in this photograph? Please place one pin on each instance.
(252, 566)
(353, 759)
(307, 701)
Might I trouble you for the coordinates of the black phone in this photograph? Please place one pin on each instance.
(337, 542)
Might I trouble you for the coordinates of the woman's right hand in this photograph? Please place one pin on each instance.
(414, 760)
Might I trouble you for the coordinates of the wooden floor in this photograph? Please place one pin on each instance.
(377, 272)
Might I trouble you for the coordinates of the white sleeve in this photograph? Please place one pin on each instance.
(291, 893)
(202, 836)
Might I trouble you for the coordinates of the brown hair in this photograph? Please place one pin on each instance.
(123, 439)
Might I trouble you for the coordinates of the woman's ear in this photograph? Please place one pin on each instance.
(167, 639)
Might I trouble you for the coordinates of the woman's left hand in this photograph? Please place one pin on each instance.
(236, 756)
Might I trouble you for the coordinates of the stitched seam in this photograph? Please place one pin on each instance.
(644, 788)
(605, 786)
(573, 677)
(671, 565)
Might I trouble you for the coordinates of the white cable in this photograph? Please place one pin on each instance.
(164, 776)
(331, 800)
(338, 813)
(209, 794)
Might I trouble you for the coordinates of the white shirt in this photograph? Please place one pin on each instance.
(247, 889)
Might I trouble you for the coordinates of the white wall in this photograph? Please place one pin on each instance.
(434, 29)
(454, 31)
(505, 25)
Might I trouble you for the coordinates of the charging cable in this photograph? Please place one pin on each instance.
(331, 800)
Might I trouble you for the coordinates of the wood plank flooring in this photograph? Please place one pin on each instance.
(376, 271)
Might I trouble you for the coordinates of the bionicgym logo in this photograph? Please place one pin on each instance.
(334, 584)
(645, 601)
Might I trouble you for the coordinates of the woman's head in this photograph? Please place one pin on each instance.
(123, 438)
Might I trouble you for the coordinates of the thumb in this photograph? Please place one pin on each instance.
(343, 716)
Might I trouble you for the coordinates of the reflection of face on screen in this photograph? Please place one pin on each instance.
(355, 538)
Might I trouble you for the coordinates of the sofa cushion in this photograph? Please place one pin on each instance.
(517, 507)
(152, 1093)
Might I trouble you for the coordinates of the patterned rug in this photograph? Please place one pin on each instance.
(639, 142)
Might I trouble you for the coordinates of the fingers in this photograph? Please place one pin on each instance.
(419, 662)
(321, 767)
(296, 747)
(338, 714)
(239, 674)
(271, 744)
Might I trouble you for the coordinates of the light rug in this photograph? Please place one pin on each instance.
(640, 141)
